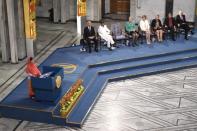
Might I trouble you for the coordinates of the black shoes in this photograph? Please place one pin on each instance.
(110, 49)
(136, 44)
(115, 45)
(96, 50)
(186, 38)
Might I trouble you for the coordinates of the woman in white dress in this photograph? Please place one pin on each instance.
(104, 33)
(145, 27)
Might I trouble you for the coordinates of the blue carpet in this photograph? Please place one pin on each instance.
(96, 69)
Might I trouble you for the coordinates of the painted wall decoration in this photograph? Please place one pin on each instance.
(81, 7)
(30, 18)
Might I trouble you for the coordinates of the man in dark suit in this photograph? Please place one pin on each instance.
(89, 36)
(182, 23)
(170, 24)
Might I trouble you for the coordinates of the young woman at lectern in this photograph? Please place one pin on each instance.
(31, 70)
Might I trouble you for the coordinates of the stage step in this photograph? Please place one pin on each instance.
(91, 73)
(188, 51)
(82, 109)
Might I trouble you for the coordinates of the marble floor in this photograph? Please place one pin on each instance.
(163, 102)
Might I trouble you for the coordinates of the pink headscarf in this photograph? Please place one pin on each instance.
(32, 69)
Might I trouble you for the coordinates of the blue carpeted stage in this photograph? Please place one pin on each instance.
(96, 69)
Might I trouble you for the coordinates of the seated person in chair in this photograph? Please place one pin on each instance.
(170, 24)
(89, 36)
(131, 30)
(104, 33)
(182, 23)
(145, 28)
(31, 70)
(117, 33)
(157, 28)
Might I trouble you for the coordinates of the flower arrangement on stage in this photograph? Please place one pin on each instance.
(71, 97)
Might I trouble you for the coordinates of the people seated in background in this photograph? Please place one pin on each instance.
(117, 33)
(51, 14)
(182, 23)
(132, 30)
(31, 70)
(170, 25)
(145, 28)
(104, 33)
(89, 36)
(156, 26)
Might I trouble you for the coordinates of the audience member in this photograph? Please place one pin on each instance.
(170, 24)
(104, 32)
(182, 23)
(89, 36)
(132, 30)
(156, 26)
(145, 28)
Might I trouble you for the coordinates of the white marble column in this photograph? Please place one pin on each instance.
(12, 31)
(94, 11)
(79, 24)
(67, 10)
(20, 31)
(3, 34)
(56, 11)
(133, 6)
(90, 11)
(98, 11)
(196, 15)
(107, 6)
(64, 4)
(73, 9)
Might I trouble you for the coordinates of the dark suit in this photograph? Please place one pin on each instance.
(181, 20)
(170, 27)
(89, 33)
(154, 22)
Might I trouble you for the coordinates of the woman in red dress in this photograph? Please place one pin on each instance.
(31, 70)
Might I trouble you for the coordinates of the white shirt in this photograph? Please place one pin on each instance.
(144, 25)
(103, 30)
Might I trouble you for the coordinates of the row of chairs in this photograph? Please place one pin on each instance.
(121, 37)
(119, 34)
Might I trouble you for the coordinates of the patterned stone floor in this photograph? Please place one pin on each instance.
(163, 102)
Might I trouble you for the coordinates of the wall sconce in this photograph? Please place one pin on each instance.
(138, 4)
